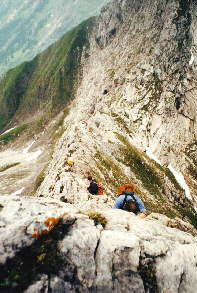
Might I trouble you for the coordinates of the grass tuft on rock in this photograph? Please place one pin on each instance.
(97, 218)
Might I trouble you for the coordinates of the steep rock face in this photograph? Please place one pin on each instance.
(27, 27)
(154, 76)
(51, 246)
(137, 95)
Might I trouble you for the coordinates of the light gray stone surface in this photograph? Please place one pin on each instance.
(128, 254)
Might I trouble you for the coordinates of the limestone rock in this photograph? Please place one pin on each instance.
(126, 254)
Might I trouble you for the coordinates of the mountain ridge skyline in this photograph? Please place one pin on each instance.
(27, 28)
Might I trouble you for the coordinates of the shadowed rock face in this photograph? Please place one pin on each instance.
(78, 254)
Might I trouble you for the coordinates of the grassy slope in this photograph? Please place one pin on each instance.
(46, 83)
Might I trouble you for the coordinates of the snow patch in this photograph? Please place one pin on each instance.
(26, 150)
(180, 179)
(34, 155)
(152, 156)
(192, 59)
(8, 130)
(18, 192)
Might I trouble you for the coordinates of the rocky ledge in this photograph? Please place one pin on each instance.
(51, 246)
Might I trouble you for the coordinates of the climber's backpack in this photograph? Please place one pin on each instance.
(125, 205)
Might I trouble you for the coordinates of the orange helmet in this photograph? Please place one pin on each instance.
(126, 187)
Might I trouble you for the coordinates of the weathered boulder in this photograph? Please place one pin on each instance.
(51, 246)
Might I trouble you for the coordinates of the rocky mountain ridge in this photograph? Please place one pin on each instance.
(123, 103)
(127, 99)
(128, 116)
(120, 95)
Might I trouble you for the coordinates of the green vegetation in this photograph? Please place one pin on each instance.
(186, 209)
(120, 121)
(58, 128)
(153, 178)
(54, 133)
(170, 175)
(39, 179)
(47, 83)
(39, 124)
(113, 174)
(8, 166)
(12, 87)
(11, 135)
(146, 173)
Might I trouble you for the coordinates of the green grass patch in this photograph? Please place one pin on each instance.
(120, 121)
(187, 211)
(113, 174)
(165, 171)
(97, 218)
(13, 134)
(58, 128)
(170, 175)
(152, 176)
(134, 159)
(47, 83)
(153, 179)
(39, 180)
(149, 171)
